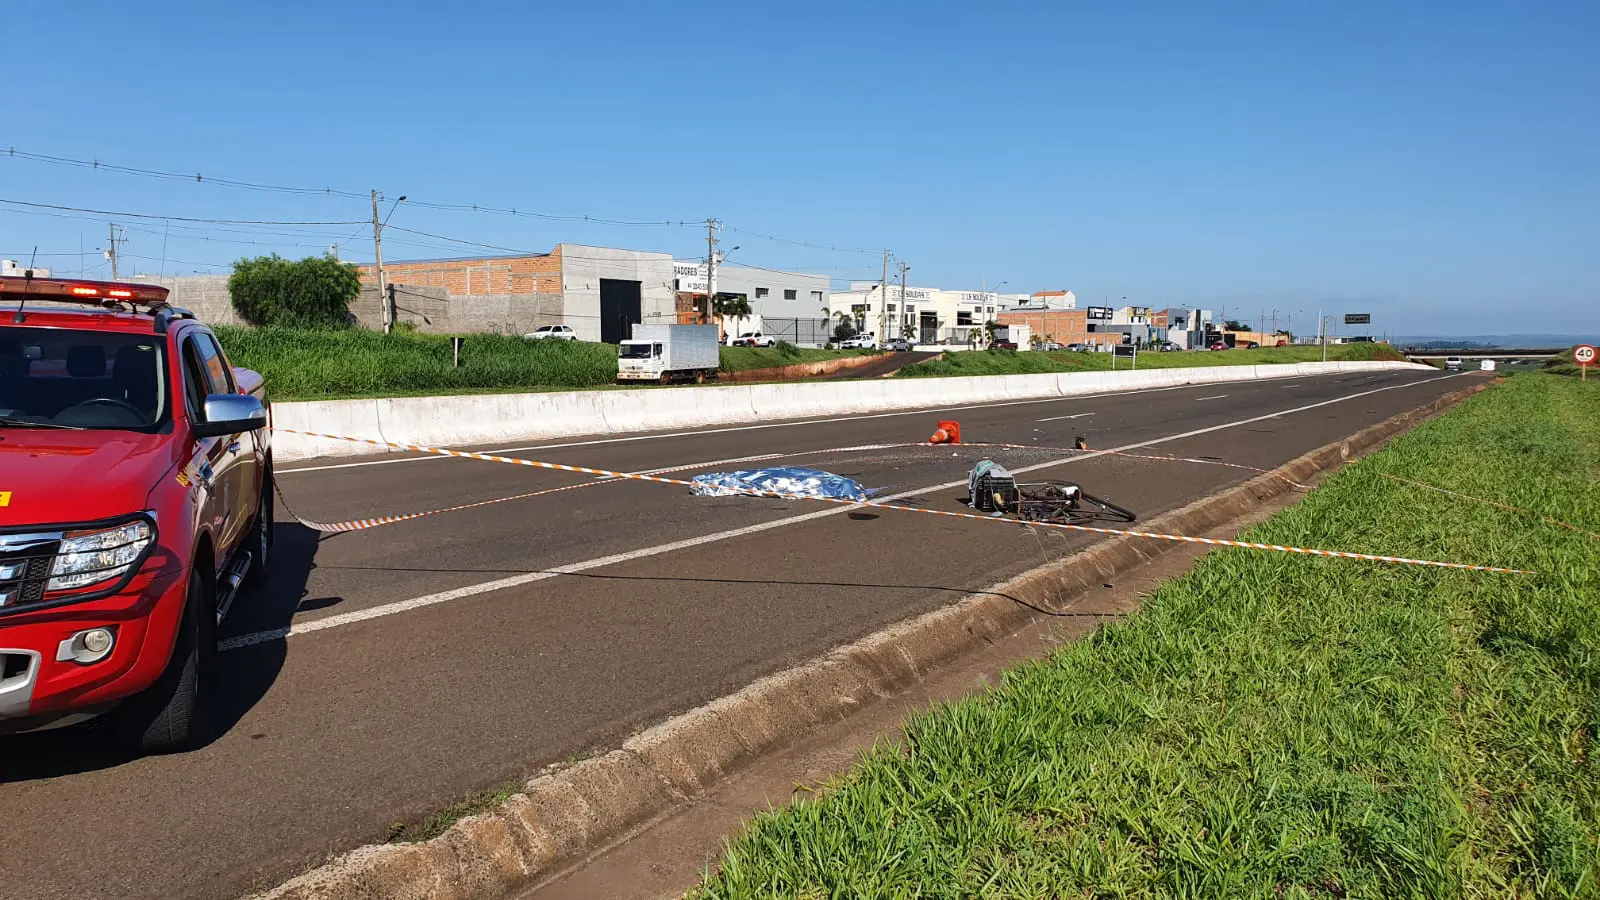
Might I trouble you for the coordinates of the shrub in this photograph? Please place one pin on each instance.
(314, 292)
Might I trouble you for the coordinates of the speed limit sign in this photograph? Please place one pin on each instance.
(1584, 355)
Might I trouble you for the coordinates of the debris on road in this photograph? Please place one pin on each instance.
(788, 480)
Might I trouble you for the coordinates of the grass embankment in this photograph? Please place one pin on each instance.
(743, 359)
(1273, 725)
(1563, 364)
(319, 365)
(1033, 362)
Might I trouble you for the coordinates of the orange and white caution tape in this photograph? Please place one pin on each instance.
(364, 524)
(657, 479)
(377, 521)
(1567, 525)
(1035, 447)
(1148, 456)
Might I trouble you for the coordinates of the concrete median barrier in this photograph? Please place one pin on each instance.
(492, 418)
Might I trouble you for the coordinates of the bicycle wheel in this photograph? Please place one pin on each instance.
(1108, 508)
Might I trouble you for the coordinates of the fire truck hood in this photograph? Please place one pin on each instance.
(55, 476)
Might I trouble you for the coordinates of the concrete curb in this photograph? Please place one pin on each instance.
(561, 817)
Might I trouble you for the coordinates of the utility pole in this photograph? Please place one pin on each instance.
(111, 253)
(377, 253)
(711, 265)
(905, 315)
(883, 300)
(1274, 324)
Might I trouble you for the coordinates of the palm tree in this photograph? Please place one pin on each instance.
(730, 306)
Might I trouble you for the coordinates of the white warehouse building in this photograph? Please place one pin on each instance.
(924, 315)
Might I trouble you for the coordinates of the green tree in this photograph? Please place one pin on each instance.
(314, 292)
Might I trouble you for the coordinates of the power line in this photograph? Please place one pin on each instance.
(298, 233)
(549, 217)
(452, 240)
(178, 176)
(129, 215)
(97, 165)
(13, 152)
(186, 262)
(813, 246)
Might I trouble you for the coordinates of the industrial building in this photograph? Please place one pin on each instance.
(602, 292)
(924, 315)
(10, 268)
(790, 306)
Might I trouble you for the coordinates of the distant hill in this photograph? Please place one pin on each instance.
(1494, 341)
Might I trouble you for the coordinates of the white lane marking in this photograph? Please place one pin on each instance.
(1217, 397)
(1287, 386)
(1073, 416)
(400, 606)
(674, 434)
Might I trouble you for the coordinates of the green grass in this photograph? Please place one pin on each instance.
(1562, 364)
(1277, 726)
(318, 365)
(438, 823)
(741, 359)
(1031, 362)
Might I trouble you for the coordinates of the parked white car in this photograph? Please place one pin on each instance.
(753, 339)
(553, 333)
(859, 342)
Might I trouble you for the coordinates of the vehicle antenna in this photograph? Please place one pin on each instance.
(27, 275)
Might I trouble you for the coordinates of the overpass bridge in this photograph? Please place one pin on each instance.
(1484, 353)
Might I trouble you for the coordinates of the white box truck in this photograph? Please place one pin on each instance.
(668, 353)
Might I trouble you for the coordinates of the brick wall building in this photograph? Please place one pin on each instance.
(536, 273)
(1064, 326)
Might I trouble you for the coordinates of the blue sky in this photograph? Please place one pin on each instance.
(1431, 163)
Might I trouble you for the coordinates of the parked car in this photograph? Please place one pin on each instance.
(1169, 347)
(552, 333)
(1219, 345)
(1078, 348)
(135, 505)
(1453, 362)
(1054, 347)
(753, 339)
(1003, 345)
(859, 342)
(899, 345)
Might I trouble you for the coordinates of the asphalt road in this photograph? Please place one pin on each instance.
(439, 657)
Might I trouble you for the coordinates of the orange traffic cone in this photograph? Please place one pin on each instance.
(947, 433)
